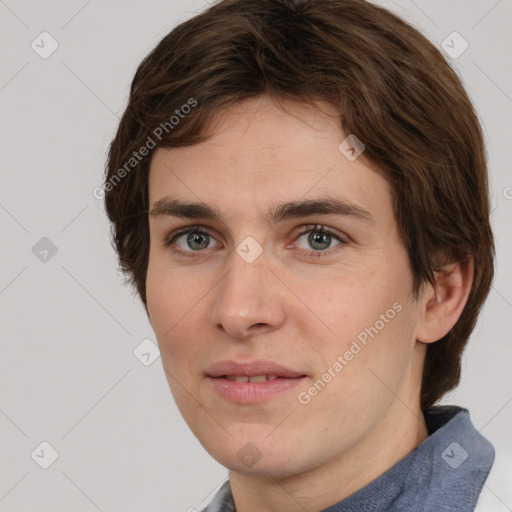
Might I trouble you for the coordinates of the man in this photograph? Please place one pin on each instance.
(298, 191)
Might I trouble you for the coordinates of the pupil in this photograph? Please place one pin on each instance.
(316, 238)
(201, 240)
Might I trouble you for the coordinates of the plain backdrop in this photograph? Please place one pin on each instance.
(70, 378)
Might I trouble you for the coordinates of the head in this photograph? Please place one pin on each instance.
(246, 107)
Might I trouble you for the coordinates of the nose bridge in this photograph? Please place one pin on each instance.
(247, 297)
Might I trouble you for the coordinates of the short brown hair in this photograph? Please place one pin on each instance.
(394, 91)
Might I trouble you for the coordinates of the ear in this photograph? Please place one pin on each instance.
(442, 304)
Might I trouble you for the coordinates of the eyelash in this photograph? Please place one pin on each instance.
(318, 228)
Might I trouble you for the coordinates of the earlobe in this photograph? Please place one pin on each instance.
(443, 304)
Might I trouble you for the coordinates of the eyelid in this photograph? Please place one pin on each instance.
(316, 255)
(340, 237)
(169, 239)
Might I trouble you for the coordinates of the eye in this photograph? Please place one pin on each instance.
(319, 239)
(191, 239)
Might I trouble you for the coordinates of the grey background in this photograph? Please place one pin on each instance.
(69, 327)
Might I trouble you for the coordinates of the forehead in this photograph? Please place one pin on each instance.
(259, 155)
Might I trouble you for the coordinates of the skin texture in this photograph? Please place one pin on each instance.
(292, 306)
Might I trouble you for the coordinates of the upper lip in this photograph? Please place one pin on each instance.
(250, 369)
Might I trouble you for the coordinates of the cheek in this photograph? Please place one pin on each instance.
(346, 302)
(169, 291)
(179, 335)
(365, 314)
(173, 307)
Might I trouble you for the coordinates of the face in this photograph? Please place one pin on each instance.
(315, 293)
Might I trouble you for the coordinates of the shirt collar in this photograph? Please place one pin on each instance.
(445, 472)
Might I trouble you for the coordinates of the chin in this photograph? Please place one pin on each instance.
(256, 455)
(265, 466)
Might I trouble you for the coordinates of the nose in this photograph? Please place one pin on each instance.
(249, 299)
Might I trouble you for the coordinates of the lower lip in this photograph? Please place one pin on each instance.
(252, 392)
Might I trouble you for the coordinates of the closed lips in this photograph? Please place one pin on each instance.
(255, 378)
(255, 371)
(251, 382)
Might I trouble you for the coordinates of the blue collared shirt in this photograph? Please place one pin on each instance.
(445, 473)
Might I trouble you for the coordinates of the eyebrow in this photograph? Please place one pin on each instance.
(284, 211)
